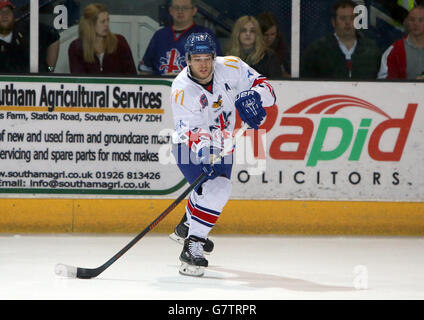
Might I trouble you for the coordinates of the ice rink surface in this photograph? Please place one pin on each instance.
(241, 267)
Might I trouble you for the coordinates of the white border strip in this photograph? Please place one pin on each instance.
(33, 46)
(295, 39)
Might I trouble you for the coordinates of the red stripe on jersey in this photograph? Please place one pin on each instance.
(181, 32)
(209, 218)
(263, 80)
(259, 81)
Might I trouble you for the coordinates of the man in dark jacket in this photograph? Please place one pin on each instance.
(14, 55)
(14, 43)
(346, 54)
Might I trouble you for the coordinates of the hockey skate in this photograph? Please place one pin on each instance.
(181, 232)
(192, 261)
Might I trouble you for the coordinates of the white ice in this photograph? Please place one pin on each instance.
(241, 267)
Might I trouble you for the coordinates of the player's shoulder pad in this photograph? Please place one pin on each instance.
(228, 62)
(181, 80)
(182, 89)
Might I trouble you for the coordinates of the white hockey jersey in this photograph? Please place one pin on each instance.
(207, 115)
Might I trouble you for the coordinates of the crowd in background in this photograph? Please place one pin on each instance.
(345, 53)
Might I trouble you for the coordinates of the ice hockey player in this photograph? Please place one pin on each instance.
(204, 98)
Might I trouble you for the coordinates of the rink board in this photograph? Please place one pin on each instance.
(330, 158)
(238, 217)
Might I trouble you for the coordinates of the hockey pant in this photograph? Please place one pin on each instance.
(208, 199)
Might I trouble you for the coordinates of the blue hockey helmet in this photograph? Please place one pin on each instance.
(200, 43)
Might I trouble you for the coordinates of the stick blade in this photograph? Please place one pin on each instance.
(66, 271)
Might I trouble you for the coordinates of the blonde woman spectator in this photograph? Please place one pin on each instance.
(247, 43)
(98, 50)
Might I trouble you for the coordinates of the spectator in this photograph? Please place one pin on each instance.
(404, 59)
(345, 54)
(14, 43)
(98, 50)
(275, 40)
(248, 44)
(165, 54)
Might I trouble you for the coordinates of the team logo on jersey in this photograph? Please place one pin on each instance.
(181, 125)
(222, 121)
(204, 101)
(219, 130)
(218, 103)
(174, 62)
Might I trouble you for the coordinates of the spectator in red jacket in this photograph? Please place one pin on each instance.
(98, 50)
(404, 59)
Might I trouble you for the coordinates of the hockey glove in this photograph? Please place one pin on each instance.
(249, 106)
(204, 157)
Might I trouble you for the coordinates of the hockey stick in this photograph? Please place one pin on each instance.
(88, 273)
